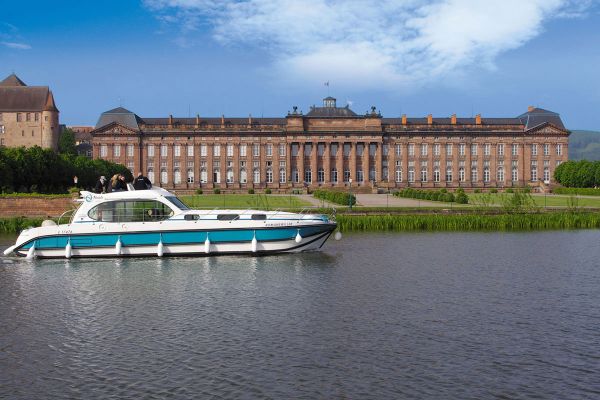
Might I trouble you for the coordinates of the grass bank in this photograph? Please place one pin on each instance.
(468, 222)
(243, 201)
(17, 224)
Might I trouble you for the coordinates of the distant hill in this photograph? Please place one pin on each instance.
(584, 145)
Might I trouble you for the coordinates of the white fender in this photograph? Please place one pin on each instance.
(207, 245)
(298, 238)
(160, 249)
(31, 252)
(68, 249)
(254, 243)
(118, 246)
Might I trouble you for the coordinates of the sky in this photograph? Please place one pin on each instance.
(262, 57)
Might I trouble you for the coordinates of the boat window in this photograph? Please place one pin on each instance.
(130, 211)
(259, 217)
(227, 217)
(178, 203)
(191, 217)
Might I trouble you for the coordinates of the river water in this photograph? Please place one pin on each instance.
(373, 316)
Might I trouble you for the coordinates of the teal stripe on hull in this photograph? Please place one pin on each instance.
(173, 238)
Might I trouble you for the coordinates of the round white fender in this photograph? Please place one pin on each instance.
(118, 246)
(254, 243)
(207, 245)
(338, 235)
(160, 249)
(298, 238)
(31, 252)
(68, 249)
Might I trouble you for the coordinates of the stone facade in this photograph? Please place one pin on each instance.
(334, 147)
(28, 115)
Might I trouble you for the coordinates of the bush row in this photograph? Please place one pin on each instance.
(582, 191)
(459, 196)
(580, 174)
(342, 198)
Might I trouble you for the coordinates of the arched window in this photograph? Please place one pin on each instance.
(372, 176)
(384, 173)
(282, 175)
(398, 174)
(515, 174)
(177, 176)
(256, 175)
(486, 174)
(449, 174)
(307, 175)
(203, 176)
(229, 175)
(190, 175)
(320, 175)
(500, 174)
(424, 174)
(473, 174)
(411, 174)
(334, 175)
(436, 174)
(269, 175)
(243, 176)
(151, 174)
(461, 174)
(546, 174)
(164, 177)
(295, 175)
(217, 175)
(359, 175)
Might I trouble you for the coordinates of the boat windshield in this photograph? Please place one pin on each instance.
(178, 203)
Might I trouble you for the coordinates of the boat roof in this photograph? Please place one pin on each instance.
(153, 193)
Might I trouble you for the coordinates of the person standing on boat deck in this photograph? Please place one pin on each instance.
(101, 185)
(112, 183)
(141, 182)
(120, 185)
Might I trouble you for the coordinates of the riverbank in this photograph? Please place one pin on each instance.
(385, 220)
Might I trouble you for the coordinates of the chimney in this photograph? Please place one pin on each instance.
(429, 119)
(530, 108)
(197, 120)
(478, 119)
(453, 119)
(404, 120)
(170, 121)
(249, 120)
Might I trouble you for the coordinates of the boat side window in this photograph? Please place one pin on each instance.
(178, 203)
(227, 217)
(130, 211)
(191, 217)
(259, 217)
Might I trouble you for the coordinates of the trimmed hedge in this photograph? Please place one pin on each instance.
(581, 191)
(434, 195)
(342, 198)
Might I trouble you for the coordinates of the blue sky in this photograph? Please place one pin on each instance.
(261, 57)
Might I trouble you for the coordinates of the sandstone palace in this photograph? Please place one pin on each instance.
(332, 146)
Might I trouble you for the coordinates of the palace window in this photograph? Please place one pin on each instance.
(190, 153)
(203, 150)
(461, 174)
(256, 150)
(347, 148)
(360, 177)
(117, 150)
(164, 177)
(103, 151)
(448, 149)
(534, 149)
(411, 174)
(461, 149)
(449, 174)
(334, 175)
(320, 149)
(242, 150)
(281, 149)
(411, 149)
(546, 149)
(282, 175)
(533, 172)
(333, 149)
(436, 149)
(308, 175)
(129, 150)
(474, 149)
(243, 176)
(150, 150)
(37, 117)
(28, 117)
(487, 149)
(398, 173)
(346, 175)
(473, 174)
(359, 150)
(19, 117)
(486, 174)
(256, 175)
(295, 175)
(559, 149)
(515, 150)
(372, 176)
(500, 149)
(163, 150)
(385, 173)
(546, 174)
(320, 175)
(269, 175)
(423, 149)
(229, 150)
(372, 149)
(515, 174)
(500, 174)
(177, 176)
(216, 150)
(190, 176)
(398, 149)
(436, 174)
(151, 174)
(385, 149)
(177, 151)
(269, 150)
(217, 175)
(229, 177)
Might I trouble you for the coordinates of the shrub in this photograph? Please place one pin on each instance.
(342, 198)
(267, 191)
(217, 191)
(581, 191)
(477, 191)
(250, 191)
(493, 190)
(198, 191)
(510, 190)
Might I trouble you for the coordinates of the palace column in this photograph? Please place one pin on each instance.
(378, 162)
(327, 164)
(209, 163)
(300, 162)
(365, 161)
(468, 162)
(288, 162)
(353, 161)
(314, 162)
(391, 164)
(405, 162)
(339, 163)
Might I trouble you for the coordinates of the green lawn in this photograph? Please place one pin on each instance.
(244, 201)
(540, 200)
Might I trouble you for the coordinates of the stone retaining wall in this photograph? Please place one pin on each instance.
(34, 206)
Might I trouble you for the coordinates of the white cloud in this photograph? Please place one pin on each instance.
(372, 43)
(18, 46)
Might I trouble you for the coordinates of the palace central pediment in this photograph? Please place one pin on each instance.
(114, 128)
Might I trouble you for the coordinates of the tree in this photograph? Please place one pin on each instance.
(66, 142)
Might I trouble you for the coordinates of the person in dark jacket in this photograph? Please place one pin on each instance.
(101, 185)
(119, 185)
(141, 182)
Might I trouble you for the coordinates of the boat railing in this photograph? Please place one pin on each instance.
(69, 213)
